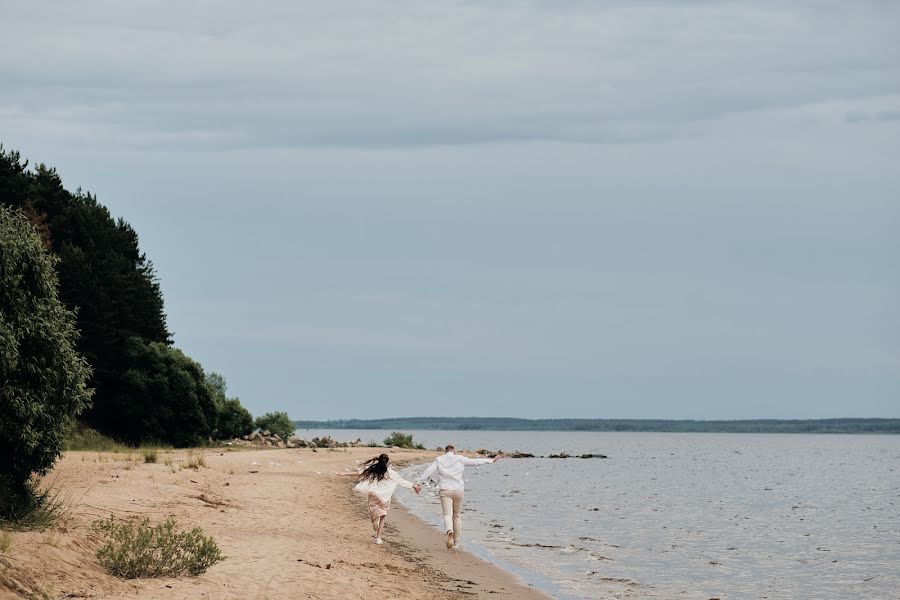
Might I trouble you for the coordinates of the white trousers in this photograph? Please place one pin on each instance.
(451, 505)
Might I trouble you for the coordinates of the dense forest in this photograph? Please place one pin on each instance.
(144, 390)
(510, 424)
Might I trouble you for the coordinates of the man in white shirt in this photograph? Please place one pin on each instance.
(449, 468)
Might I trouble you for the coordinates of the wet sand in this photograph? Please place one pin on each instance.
(287, 524)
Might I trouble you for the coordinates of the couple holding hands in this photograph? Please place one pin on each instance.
(379, 481)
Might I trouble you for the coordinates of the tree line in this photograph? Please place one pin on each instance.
(847, 425)
(83, 336)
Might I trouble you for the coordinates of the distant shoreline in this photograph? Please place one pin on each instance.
(844, 426)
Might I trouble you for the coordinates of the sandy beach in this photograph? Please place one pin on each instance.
(286, 523)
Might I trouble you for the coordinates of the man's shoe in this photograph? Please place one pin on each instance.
(449, 540)
(456, 545)
(379, 541)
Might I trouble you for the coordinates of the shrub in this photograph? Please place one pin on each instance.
(135, 549)
(235, 420)
(276, 422)
(150, 455)
(402, 441)
(44, 378)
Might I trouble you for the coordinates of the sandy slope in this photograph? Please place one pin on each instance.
(286, 523)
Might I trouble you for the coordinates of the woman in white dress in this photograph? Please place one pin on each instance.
(379, 481)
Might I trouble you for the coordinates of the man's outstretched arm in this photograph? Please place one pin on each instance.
(474, 462)
(428, 472)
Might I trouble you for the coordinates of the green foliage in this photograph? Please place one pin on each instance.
(135, 549)
(82, 437)
(101, 271)
(276, 422)
(162, 396)
(44, 377)
(233, 419)
(402, 441)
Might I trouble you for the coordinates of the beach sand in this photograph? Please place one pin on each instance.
(287, 524)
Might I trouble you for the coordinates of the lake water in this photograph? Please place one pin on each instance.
(671, 515)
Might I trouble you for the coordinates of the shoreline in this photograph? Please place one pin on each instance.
(284, 521)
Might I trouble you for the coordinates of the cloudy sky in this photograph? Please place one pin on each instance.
(682, 209)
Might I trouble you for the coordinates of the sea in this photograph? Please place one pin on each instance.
(680, 515)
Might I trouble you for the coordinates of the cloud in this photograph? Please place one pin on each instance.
(373, 74)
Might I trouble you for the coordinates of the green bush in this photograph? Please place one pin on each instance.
(44, 378)
(402, 441)
(162, 397)
(135, 549)
(276, 422)
(235, 420)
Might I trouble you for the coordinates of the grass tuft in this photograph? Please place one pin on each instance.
(52, 537)
(137, 549)
(150, 455)
(85, 438)
(34, 509)
(5, 542)
(195, 462)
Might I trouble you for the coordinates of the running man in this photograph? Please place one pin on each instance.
(449, 468)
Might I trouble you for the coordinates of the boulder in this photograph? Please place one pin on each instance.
(593, 456)
(560, 455)
(267, 433)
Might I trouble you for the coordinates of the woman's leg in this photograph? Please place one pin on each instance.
(380, 527)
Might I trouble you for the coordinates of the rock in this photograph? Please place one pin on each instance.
(560, 455)
(593, 456)
(518, 454)
(313, 445)
(276, 436)
(266, 433)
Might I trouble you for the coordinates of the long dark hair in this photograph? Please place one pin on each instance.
(376, 468)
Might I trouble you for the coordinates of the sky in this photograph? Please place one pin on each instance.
(681, 209)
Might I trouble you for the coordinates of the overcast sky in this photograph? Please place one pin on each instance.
(683, 209)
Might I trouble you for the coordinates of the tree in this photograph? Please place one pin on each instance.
(233, 419)
(276, 422)
(162, 396)
(103, 275)
(44, 377)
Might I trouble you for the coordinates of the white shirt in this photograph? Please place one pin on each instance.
(384, 489)
(449, 468)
